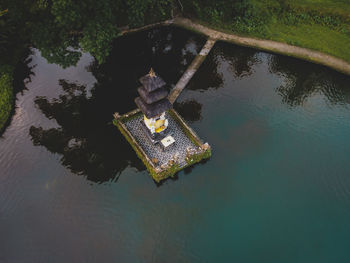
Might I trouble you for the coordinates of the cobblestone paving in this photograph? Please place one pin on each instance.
(155, 151)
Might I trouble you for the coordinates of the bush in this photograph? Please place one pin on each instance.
(244, 15)
(6, 97)
(254, 17)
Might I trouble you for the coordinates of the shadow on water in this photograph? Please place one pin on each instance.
(168, 50)
(302, 80)
(239, 61)
(190, 110)
(87, 141)
(23, 72)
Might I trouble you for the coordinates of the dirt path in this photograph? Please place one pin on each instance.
(268, 45)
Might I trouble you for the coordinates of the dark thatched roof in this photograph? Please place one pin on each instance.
(155, 109)
(152, 83)
(154, 96)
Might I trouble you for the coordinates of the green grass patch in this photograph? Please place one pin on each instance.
(6, 97)
(314, 37)
(340, 7)
(322, 25)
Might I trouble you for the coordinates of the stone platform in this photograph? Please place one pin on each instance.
(187, 149)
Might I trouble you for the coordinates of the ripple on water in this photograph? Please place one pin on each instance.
(12, 196)
(337, 186)
(275, 131)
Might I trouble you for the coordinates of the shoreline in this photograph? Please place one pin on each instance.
(310, 55)
(8, 101)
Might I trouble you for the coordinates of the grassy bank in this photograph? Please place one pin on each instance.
(322, 25)
(6, 96)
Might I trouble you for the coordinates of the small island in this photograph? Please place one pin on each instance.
(158, 134)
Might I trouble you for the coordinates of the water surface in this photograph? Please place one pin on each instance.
(277, 188)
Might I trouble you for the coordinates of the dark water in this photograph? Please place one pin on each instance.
(277, 188)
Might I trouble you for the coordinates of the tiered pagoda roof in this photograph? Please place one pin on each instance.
(153, 99)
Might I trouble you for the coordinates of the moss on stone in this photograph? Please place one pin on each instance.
(196, 158)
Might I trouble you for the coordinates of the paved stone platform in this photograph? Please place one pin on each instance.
(187, 150)
(155, 151)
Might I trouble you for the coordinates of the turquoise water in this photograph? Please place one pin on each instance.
(278, 182)
(277, 188)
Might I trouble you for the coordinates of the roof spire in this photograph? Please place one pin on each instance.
(151, 73)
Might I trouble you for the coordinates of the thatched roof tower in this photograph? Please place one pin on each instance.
(153, 99)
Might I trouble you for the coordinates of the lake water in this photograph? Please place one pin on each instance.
(276, 189)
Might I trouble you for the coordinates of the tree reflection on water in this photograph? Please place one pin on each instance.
(238, 61)
(241, 60)
(303, 80)
(86, 140)
(190, 110)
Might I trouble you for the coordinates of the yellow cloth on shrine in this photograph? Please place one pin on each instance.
(158, 125)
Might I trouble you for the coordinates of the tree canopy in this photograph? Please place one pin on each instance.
(62, 29)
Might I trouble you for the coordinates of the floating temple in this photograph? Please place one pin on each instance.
(158, 134)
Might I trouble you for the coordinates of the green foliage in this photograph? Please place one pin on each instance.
(249, 17)
(97, 39)
(243, 15)
(12, 44)
(11, 40)
(55, 44)
(6, 95)
(252, 16)
(62, 29)
(67, 27)
(136, 11)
